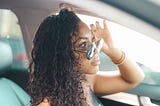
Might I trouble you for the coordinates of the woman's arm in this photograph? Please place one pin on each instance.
(129, 70)
(129, 74)
(128, 77)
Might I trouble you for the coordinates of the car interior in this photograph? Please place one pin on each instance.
(14, 76)
(13, 83)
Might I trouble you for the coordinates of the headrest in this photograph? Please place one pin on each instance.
(6, 56)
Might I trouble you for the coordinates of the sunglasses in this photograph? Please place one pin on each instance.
(91, 49)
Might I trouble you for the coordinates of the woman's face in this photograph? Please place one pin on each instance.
(81, 43)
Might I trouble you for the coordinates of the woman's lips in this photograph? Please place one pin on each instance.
(95, 61)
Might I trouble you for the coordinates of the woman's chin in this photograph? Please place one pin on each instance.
(94, 70)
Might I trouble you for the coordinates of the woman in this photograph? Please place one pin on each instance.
(65, 62)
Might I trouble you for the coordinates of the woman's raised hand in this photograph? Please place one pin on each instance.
(102, 32)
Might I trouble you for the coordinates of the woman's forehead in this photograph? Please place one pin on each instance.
(83, 33)
(83, 29)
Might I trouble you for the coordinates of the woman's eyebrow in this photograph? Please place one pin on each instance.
(82, 38)
(85, 38)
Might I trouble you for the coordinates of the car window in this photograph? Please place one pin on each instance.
(10, 34)
(144, 50)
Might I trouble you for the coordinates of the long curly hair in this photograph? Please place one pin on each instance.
(53, 67)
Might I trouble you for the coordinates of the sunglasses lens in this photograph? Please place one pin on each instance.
(90, 51)
(91, 48)
(99, 45)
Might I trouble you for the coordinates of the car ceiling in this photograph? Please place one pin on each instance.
(38, 4)
(144, 9)
(28, 10)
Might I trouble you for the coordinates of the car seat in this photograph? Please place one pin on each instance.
(12, 82)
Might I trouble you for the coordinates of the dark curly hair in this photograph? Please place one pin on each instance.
(53, 68)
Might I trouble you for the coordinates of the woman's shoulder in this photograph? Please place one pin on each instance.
(45, 102)
(90, 79)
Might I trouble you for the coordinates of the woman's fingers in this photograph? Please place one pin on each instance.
(104, 24)
(92, 27)
(97, 30)
(93, 30)
(97, 25)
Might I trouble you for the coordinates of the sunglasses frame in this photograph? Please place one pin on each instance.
(92, 47)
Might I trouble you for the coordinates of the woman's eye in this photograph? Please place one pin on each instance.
(83, 45)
